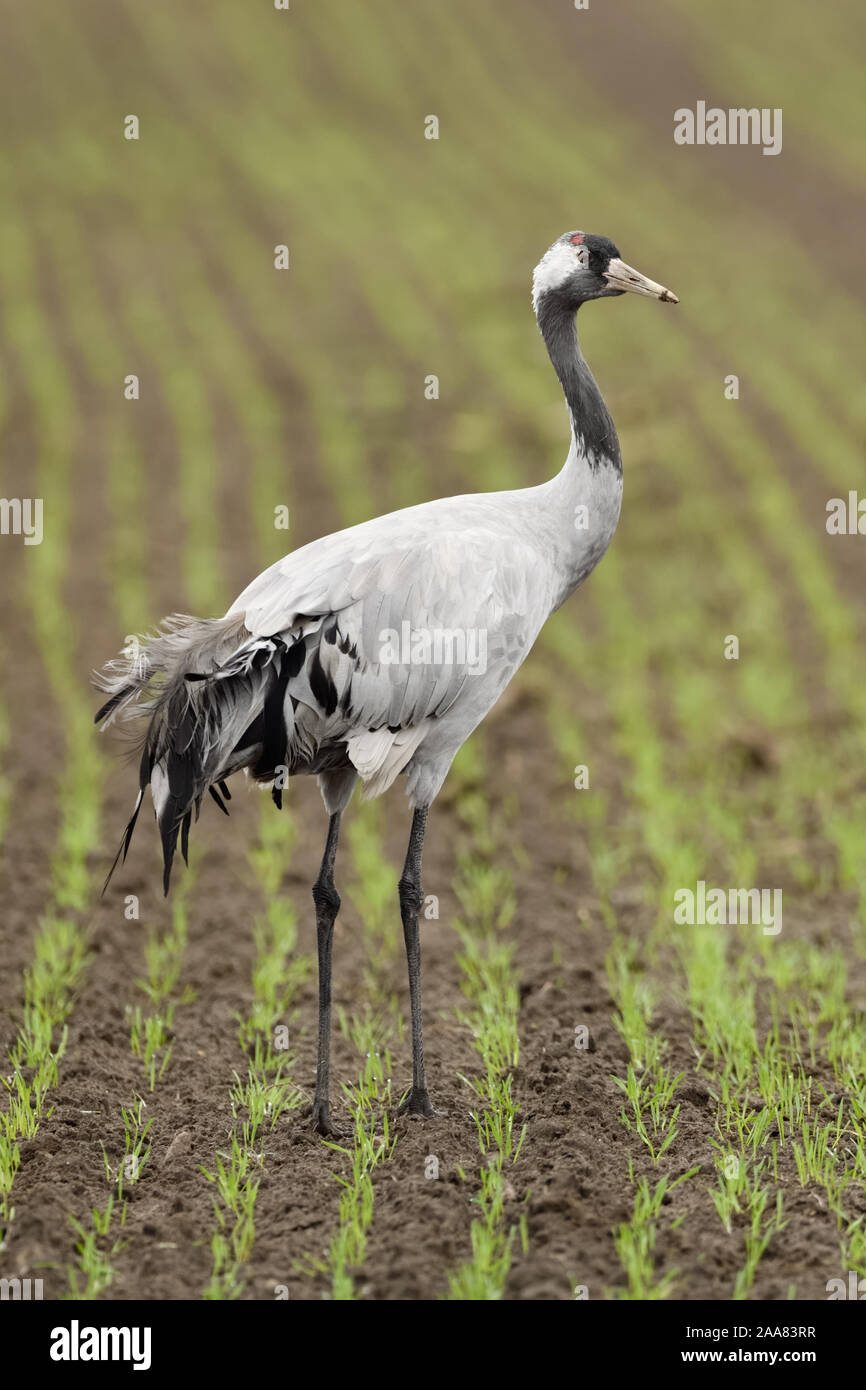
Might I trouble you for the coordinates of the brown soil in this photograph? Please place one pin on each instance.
(571, 1177)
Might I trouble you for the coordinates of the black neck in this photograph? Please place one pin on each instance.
(590, 418)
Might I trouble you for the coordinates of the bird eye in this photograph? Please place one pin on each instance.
(582, 253)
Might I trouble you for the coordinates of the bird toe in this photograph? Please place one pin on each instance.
(418, 1103)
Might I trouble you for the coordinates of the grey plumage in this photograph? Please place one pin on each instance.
(205, 685)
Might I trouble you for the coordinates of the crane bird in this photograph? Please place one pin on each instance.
(377, 650)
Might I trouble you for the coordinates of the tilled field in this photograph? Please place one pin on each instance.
(633, 1107)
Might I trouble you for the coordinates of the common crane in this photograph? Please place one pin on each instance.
(378, 649)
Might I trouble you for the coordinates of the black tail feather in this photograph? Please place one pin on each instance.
(120, 857)
(205, 680)
(112, 704)
(168, 834)
(274, 749)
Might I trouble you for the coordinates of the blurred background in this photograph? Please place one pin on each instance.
(305, 388)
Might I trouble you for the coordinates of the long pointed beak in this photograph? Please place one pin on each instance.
(622, 277)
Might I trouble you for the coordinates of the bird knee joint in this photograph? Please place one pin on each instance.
(326, 898)
(411, 897)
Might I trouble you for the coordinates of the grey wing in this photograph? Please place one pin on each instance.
(404, 627)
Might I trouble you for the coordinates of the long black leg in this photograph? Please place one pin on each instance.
(418, 1101)
(327, 901)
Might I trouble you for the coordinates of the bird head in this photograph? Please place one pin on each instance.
(580, 266)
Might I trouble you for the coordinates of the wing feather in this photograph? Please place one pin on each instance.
(427, 570)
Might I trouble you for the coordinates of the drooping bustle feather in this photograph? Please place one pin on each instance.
(202, 687)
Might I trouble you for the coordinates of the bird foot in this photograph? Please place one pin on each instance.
(324, 1125)
(417, 1103)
